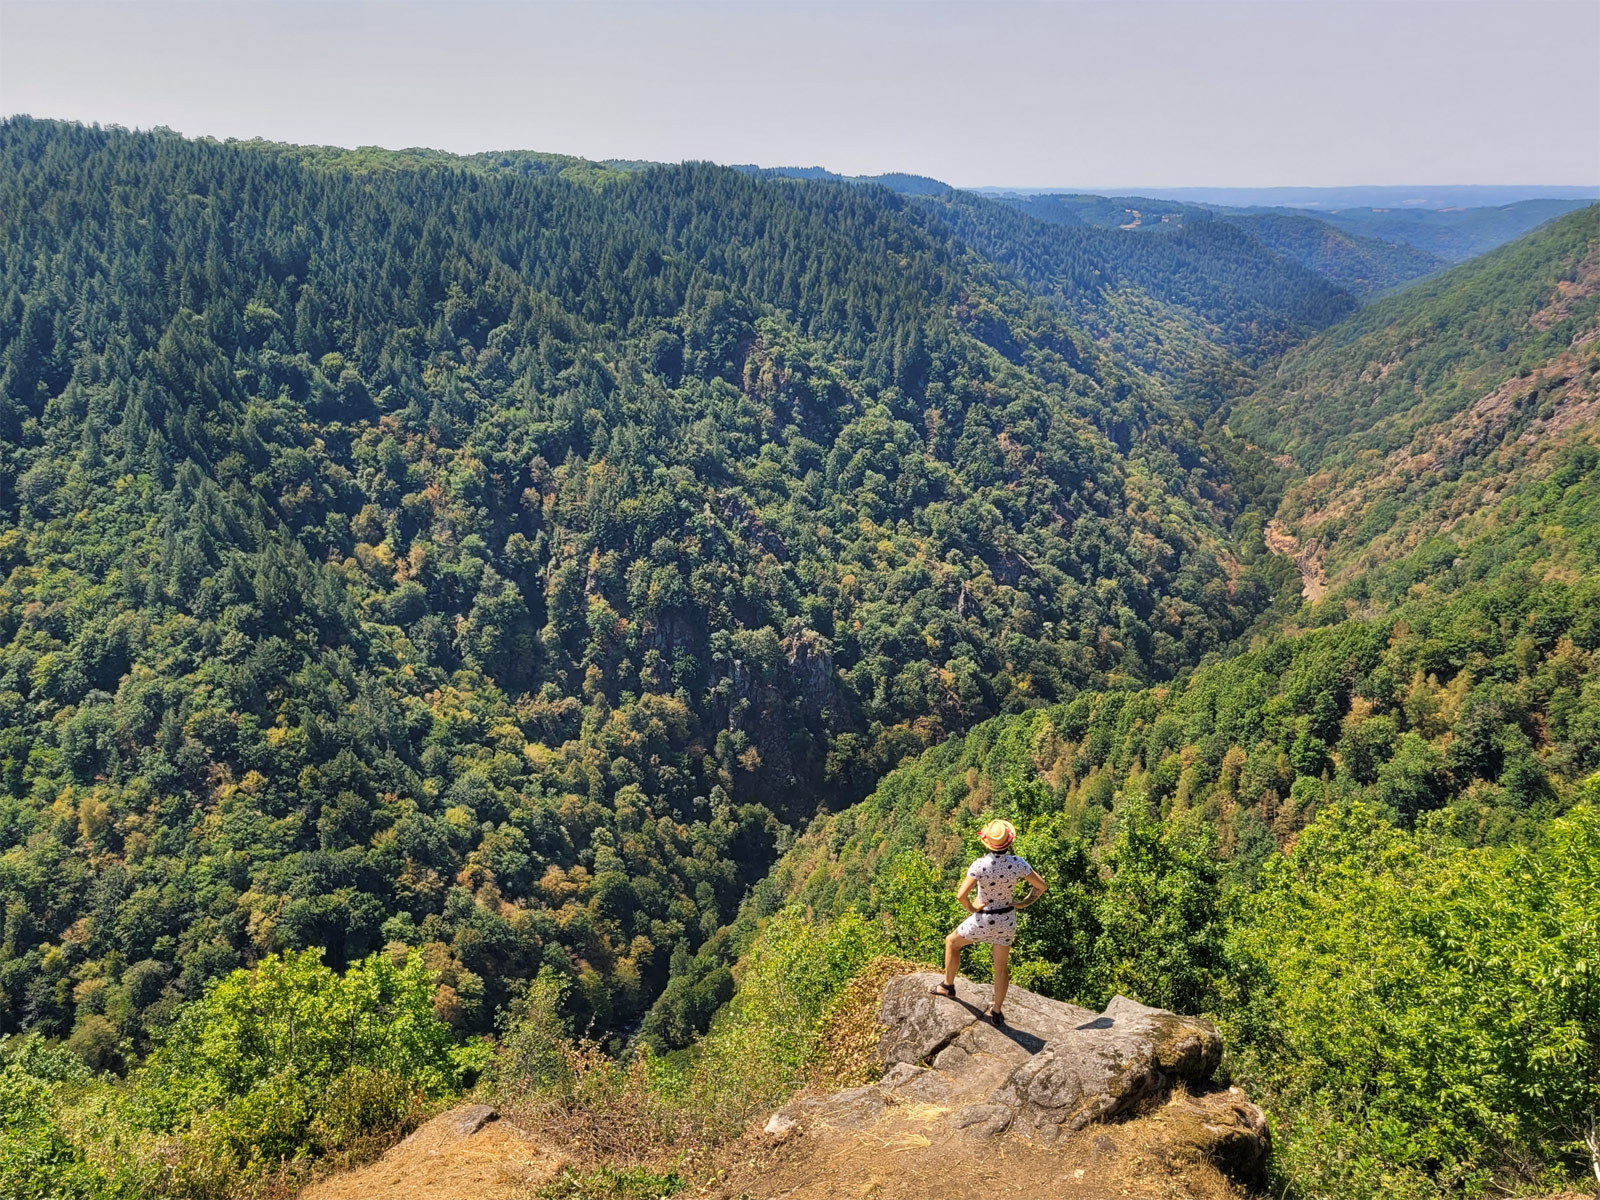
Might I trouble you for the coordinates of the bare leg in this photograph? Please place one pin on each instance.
(952, 957)
(1002, 975)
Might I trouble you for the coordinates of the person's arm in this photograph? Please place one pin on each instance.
(1039, 887)
(964, 891)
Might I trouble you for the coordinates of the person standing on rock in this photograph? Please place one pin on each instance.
(994, 919)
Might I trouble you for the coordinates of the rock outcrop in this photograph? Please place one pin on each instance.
(1052, 1069)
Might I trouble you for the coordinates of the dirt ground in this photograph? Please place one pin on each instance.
(920, 1157)
(496, 1161)
(917, 1156)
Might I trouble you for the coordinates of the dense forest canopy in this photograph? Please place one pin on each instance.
(494, 560)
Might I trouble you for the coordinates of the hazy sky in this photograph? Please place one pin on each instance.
(1051, 94)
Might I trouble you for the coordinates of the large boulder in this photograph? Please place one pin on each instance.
(1052, 1069)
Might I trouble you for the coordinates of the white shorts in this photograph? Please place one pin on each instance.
(997, 929)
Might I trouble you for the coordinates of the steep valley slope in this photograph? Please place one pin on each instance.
(1439, 420)
(492, 555)
(1390, 750)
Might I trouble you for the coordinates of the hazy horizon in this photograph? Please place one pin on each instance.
(1173, 191)
(1068, 96)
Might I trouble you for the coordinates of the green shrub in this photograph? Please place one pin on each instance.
(609, 1183)
(1432, 1013)
(1056, 937)
(1161, 919)
(37, 1160)
(918, 908)
(291, 1060)
(531, 1055)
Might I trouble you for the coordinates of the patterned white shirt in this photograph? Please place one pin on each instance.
(997, 876)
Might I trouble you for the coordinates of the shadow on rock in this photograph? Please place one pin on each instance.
(1052, 1069)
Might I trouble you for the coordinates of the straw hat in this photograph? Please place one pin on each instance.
(997, 835)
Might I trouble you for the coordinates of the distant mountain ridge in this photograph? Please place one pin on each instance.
(1395, 244)
(895, 181)
(1454, 234)
(1333, 198)
(1385, 247)
(1369, 240)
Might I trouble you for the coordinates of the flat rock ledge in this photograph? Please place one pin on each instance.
(1054, 1068)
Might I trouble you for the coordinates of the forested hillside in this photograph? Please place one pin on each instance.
(1367, 266)
(1210, 276)
(1453, 234)
(1308, 839)
(1364, 265)
(451, 584)
(1440, 430)
(494, 559)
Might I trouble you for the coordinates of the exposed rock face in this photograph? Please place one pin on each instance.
(1053, 1068)
(1224, 1126)
(468, 1119)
